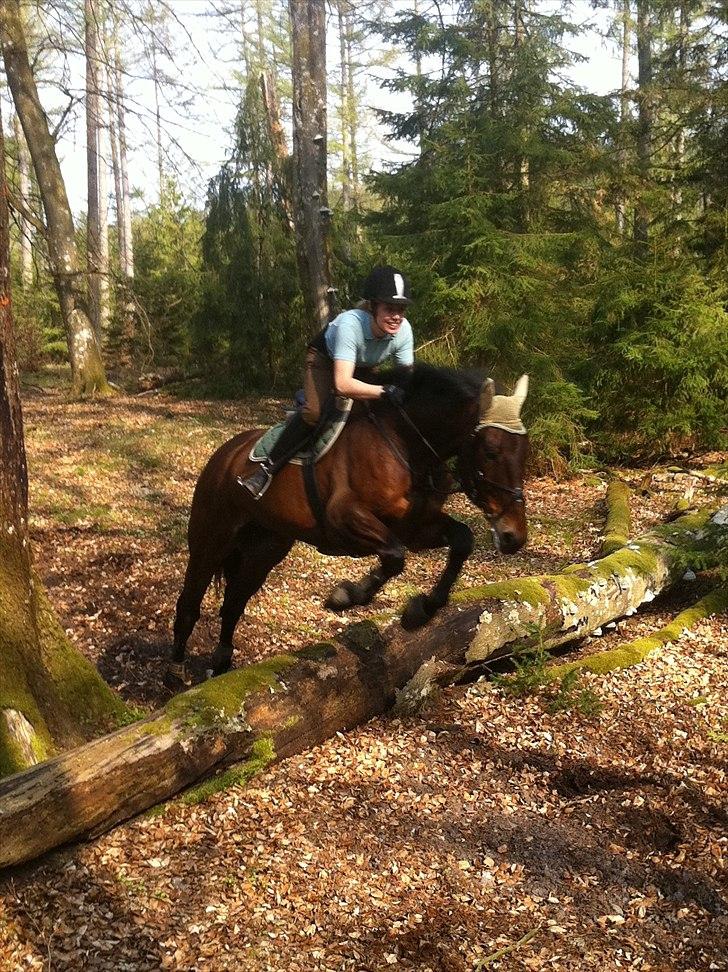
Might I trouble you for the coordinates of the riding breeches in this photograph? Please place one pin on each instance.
(318, 384)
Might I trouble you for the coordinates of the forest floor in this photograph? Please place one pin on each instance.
(486, 833)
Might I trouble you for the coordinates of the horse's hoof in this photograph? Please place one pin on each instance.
(346, 595)
(221, 661)
(416, 614)
(176, 676)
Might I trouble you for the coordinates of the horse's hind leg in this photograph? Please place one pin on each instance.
(199, 573)
(245, 571)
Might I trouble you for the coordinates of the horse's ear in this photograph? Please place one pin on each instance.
(486, 397)
(520, 391)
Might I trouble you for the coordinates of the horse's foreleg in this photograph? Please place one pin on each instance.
(459, 539)
(350, 593)
(245, 572)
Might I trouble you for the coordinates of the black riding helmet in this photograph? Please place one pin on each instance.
(387, 285)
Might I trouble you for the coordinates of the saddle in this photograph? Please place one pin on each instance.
(327, 432)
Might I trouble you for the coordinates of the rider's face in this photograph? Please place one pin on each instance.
(387, 319)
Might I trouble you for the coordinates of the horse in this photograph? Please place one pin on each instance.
(381, 490)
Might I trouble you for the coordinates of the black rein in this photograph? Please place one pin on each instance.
(516, 493)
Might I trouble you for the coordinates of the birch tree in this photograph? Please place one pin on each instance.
(24, 224)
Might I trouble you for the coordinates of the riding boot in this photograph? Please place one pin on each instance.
(292, 439)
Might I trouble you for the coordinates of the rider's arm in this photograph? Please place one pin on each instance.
(346, 384)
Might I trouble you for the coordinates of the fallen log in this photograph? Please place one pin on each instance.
(619, 519)
(290, 702)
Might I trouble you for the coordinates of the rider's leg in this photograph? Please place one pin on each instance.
(317, 381)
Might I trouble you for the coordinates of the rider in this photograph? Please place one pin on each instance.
(373, 332)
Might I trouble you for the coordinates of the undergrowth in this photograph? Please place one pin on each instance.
(531, 677)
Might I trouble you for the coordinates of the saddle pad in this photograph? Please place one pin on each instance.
(326, 438)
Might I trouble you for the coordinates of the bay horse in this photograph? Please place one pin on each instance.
(382, 487)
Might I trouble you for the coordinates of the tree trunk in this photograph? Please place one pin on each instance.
(290, 702)
(26, 230)
(624, 114)
(311, 208)
(158, 118)
(127, 265)
(645, 118)
(352, 109)
(87, 367)
(97, 218)
(343, 112)
(50, 696)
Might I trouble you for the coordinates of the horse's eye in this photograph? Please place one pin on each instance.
(491, 455)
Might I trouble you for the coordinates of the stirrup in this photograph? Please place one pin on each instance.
(258, 483)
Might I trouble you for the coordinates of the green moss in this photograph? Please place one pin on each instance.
(619, 520)
(224, 697)
(318, 652)
(262, 754)
(642, 561)
(569, 586)
(530, 590)
(636, 651)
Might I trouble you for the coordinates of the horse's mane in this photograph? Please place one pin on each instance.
(441, 386)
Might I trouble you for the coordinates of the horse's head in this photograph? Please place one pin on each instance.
(492, 464)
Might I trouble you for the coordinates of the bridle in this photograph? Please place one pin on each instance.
(477, 475)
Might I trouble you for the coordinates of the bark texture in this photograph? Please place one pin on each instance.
(290, 702)
(311, 207)
(50, 696)
(87, 367)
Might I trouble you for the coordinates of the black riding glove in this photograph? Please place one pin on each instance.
(394, 395)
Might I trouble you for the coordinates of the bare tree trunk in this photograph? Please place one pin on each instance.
(47, 690)
(127, 264)
(645, 118)
(104, 273)
(261, 56)
(624, 113)
(683, 26)
(311, 208)
(87, 368)
(26, 230)
(93, 227)
(521, 162)
(244, 40)
(343, 111)
(352, 107)
(158, 118)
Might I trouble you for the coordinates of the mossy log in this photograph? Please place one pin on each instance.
(288, 703)
(619, 521)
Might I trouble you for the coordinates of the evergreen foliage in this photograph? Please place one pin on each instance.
(581, 238)
(167, 284)
(251, 324)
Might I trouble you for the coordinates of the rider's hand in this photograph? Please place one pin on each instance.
(393, 394)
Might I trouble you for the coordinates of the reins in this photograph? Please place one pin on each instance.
(516, 493)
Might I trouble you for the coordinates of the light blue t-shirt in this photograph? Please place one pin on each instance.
(349, 337)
